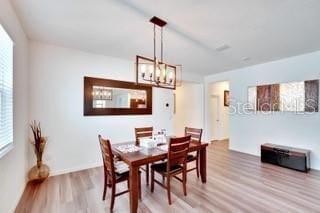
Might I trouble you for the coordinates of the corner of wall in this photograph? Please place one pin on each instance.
(14, 165)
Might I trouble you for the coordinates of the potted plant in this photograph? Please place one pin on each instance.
(39, 172)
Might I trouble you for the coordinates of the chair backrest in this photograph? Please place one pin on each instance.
(143, 132)
(178, 150)
(107, 157)
(194, 133)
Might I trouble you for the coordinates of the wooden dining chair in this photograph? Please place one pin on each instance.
(176, 164)
(144, 132)
(110, 173)
(195, 137)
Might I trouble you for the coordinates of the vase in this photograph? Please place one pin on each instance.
(39, 173)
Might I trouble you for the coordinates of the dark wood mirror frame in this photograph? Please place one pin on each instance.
(88, 109)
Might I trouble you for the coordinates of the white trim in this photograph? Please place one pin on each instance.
(75, 169)
(211, 120)
(223, 139)
(7, 148)
(208, 82)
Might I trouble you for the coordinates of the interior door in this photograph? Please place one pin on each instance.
(215, 118)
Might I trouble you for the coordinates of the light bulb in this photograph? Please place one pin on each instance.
(171, 77)
(143, 70)
(158, 72)
(151, 71)
(164, 71)
(164, 74)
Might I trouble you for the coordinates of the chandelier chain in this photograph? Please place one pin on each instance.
(161, 44)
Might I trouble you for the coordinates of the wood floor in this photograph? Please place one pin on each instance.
(236, 182)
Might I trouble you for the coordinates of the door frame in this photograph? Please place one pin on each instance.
(211, 133)
(207, 107)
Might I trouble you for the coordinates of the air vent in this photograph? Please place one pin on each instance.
(222, 48)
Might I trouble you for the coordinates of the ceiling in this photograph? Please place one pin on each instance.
(263, 30)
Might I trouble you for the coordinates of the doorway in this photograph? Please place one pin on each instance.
(219, 112)
(214, 105)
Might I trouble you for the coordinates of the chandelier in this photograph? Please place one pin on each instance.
(152, 70)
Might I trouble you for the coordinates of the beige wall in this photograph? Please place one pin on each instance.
(14, 165)
(189, 107)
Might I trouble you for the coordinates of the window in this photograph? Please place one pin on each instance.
(6, 87)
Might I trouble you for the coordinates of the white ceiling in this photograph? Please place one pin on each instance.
(263, 30)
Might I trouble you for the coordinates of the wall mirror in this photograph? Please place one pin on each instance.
(111, 97)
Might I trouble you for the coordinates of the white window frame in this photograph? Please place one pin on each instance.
(5, 147)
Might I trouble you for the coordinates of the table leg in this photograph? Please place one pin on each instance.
(203, 164)
(134, 188)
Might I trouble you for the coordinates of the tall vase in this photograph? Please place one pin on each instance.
(39, 172)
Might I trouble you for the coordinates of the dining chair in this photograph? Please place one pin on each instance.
(195, 137)
(144, 132)
(111, 175)
(176, 164)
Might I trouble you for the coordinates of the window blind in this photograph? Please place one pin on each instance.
(6, 87)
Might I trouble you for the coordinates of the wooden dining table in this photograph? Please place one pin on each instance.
(144, 156)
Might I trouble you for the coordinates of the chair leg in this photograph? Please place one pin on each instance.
(105, 187)
(113, 195)
(168, 189)
(197, 167)
(147, 174)
(152, 180)
(184, 181)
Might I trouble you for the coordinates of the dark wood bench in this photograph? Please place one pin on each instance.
(285, 156)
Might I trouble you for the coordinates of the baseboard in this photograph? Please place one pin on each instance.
(218, 140)
(75, 169)
(244, 152)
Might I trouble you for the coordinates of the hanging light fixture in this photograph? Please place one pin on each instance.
(154, 71)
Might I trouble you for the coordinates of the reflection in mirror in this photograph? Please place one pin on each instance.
(111, 97)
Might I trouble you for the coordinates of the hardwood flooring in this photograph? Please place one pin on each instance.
(236, 182)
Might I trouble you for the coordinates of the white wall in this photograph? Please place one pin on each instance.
(56, 97)
(247, 132)
(191, 77)
(222, 130)
(189, 107)
(14, 166)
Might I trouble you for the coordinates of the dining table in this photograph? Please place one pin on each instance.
(145, 155)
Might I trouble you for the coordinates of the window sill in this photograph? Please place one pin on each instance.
(6, 149)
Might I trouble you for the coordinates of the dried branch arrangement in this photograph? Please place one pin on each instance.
(39, 141)
(39, 172)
